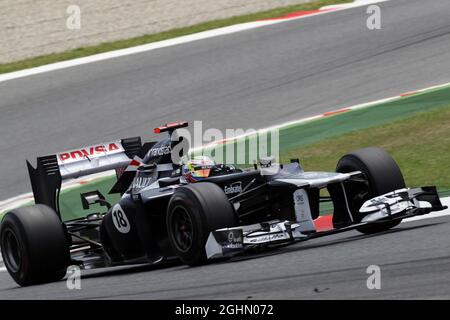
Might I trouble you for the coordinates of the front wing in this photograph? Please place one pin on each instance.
(399, 204)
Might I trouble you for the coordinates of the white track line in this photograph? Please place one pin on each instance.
(356, 3)
(171, 42)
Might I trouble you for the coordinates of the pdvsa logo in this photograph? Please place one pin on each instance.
(90, 152)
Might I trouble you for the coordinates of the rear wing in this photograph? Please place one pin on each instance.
(46, 179)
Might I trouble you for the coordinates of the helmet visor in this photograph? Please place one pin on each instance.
(201, 173)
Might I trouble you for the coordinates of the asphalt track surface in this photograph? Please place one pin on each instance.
(413, 264)
(249, 79)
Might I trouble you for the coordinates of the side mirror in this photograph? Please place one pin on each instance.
(268, 166)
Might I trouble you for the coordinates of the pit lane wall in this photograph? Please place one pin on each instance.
(32, 28)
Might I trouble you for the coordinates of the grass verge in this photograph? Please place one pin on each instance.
(70, 201)
(420, 144)
(121, 44)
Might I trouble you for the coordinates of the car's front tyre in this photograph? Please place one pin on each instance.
(382, 175)
(193, 212)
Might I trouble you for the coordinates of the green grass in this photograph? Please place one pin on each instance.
(420, 144)
(121, 44)
(377, 115)
(307, 133)
(70, 201)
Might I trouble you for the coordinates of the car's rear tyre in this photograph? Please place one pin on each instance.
(193, 212)
(34, 245)
(383, 175)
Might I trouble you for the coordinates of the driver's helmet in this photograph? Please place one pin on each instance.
(198, 168)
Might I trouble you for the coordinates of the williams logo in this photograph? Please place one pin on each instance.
(235, 187)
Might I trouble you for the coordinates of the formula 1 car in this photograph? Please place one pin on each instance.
(162, 216)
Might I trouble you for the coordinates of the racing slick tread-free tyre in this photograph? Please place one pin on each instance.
(383, 175)
(193, 212)
(34, 245)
